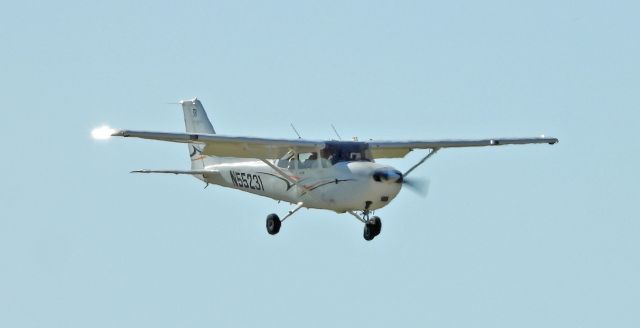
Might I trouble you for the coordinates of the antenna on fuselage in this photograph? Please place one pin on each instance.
(336, 131)
(295, 130)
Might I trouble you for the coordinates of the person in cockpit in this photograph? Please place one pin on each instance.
(310, 162)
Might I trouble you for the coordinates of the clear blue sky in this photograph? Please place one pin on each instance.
(532, 236)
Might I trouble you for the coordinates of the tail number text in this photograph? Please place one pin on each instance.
(246, 180)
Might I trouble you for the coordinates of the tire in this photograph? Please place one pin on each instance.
(369, 232)
(273, 224)
(377, 225)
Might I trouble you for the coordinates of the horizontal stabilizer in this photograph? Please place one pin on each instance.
(189, 172)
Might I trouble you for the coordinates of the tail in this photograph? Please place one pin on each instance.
(196, 120)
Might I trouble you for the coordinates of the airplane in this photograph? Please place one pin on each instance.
(341, 176)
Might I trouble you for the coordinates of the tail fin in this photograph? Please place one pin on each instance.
(196, 121)
(195, 118)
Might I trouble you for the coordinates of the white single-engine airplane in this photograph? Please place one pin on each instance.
(341, 176)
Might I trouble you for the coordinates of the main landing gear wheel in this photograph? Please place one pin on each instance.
(372, 228)
(273, 224)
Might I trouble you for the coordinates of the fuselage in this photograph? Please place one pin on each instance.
(344, 186)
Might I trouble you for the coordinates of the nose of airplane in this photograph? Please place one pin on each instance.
(387, 175)
(375, 185)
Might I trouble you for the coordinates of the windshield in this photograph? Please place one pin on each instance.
(336, 152)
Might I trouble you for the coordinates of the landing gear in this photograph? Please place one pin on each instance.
(274, 222)
(372, 226)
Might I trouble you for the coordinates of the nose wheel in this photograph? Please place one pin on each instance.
(372, 226)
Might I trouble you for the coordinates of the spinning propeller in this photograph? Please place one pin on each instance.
(417, 185)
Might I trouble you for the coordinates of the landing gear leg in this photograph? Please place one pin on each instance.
(274, 222)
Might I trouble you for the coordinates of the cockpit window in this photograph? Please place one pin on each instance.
(300, 161)
(336, 152)
(287, 161)
(307, 161)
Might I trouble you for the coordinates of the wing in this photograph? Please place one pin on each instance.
(396, 149)
(230, 146)
(249, 147)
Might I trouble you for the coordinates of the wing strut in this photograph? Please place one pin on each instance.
(431, 153)
(281, 172)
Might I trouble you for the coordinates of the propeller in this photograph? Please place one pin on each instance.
(417, 185)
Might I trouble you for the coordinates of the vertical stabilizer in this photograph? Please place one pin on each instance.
(196, 121)
(195, 118)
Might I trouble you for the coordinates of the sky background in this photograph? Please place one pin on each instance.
(530, 236)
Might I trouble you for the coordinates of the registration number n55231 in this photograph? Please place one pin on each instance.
(246, 180)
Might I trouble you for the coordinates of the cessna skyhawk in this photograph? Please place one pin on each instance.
(341, 176)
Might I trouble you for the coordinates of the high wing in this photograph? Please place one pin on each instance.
(397, 149)
(231, 146)
(250, 147)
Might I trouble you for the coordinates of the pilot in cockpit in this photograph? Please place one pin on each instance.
(310, 162)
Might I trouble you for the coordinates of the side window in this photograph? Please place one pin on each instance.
(307, 161)
(283, 163)
(287, 161)
(292, 163)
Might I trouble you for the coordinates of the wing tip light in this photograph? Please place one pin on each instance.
(103, 132)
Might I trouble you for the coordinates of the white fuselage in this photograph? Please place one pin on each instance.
(345, 186)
